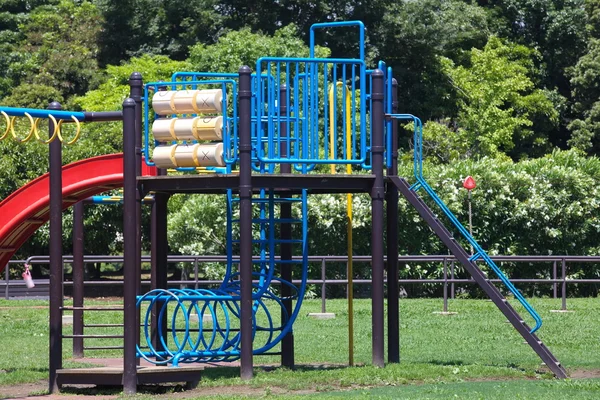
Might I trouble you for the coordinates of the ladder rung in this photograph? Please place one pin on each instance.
(278, 200)
(276, 241)
(275, 261)
(275, 220)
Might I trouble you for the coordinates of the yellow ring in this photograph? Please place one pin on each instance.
(31, 131)
(37, 131)
(77, 133)
(56, 133)
(7, 119)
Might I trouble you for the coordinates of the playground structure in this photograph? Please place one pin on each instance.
(265, 141)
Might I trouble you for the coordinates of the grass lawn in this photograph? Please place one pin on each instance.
(474, 354)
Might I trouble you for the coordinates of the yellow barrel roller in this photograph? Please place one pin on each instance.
(207, 101)
(189, 155)
(199, 128)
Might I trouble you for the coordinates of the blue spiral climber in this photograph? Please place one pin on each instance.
(202, 325)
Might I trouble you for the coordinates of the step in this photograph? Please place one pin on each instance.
(277, 200)
(275, 220)
(276, 241)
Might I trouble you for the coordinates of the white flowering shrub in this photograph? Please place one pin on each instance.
(544, 206)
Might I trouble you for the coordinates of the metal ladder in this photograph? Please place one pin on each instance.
(480, 277)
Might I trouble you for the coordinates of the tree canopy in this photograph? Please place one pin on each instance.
(506, 85)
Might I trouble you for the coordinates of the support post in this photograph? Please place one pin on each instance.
(78, 251)
(377, 196)
(287, 343)
(393, 289)
(245, 96)
(135, 92)
(130, 240)
(56, 265)
(554, 285)
(159, 254)
(564, 285)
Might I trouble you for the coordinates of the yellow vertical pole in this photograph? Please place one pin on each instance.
(349, 273)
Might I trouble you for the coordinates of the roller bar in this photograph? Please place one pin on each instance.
(87, 116)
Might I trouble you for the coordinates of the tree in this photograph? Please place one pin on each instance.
(61, 42)
(585, 85)
(136, 27)
(412, 36)
(585, 80)
(244, 47)
(557, 30)
(497, 102)
(268, 16)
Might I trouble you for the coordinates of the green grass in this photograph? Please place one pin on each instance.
(441, 355)
(494, 390)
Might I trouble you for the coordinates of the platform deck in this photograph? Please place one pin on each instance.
(113, 376)
(219, 183)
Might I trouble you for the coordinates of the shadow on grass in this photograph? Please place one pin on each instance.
(116, 390)
(224, 372)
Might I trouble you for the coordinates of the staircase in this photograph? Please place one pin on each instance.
(409, 192)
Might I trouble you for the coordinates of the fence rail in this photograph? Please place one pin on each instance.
(15, 287)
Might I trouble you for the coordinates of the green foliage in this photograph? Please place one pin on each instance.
(496, 103)
(107, 138)
(412, 36)
(245, 48)
(133, 28)
(32, 96)
(60, 43)
(197, 225)
(585, 81)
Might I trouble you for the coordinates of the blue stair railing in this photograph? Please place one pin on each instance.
(479, 252)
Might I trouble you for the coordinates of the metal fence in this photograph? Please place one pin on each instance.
(559, 281)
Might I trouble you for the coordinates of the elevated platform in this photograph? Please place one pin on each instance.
(113, 376)
(219, 183)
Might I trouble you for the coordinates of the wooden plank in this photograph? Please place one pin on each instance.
(114, 375)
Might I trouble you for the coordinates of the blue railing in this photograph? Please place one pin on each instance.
(480, 253)
(312, 136)
(228, 87)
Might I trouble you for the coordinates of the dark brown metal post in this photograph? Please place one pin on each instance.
(391, 201)
(323, 286)
(445, 295)
(130, 255)
(245, 95)
(135, 93)
(452, 292)
(377, 196)
(564, 285)
(78, 251)
(159, 254)
(554, 285)
(287, 344)
(56, 265)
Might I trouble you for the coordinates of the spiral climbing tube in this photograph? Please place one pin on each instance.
(202, 325)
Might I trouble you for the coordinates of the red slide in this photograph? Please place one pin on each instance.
(25, 210)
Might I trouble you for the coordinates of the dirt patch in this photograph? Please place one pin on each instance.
(32, 391)
(584, 373)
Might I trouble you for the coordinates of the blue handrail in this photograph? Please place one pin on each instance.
(39, 113)
(479, 251)
(340, 24)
